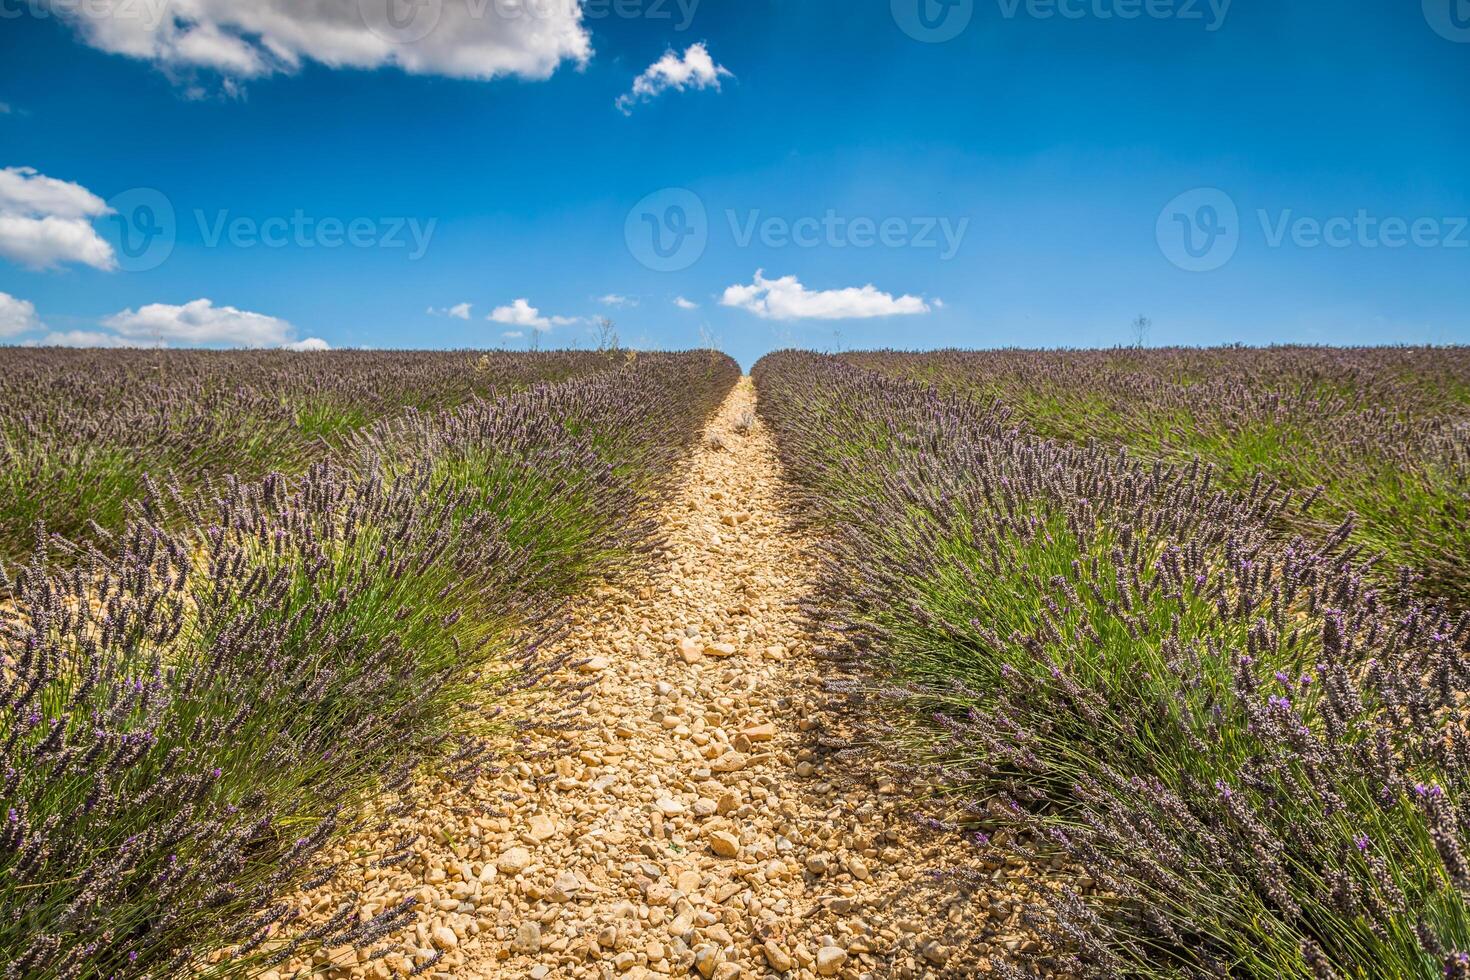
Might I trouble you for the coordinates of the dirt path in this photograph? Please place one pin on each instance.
(694, 828)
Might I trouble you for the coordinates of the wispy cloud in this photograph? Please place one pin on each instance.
(86, 338)
(522, 314)
(460, 311)
(695, 69)
(685, 304)
(787, 299)
(616, 300)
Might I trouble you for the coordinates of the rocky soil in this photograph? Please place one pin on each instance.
(699, 824)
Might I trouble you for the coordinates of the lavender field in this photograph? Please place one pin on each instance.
(82, 432)
(200, 695)
(1378, 434)
(1127, 663)
(1192, 622)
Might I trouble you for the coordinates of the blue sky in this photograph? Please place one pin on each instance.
(834, 175)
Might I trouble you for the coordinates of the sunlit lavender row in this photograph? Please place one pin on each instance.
(1247, 750)
(190, 713)
(1381, 433)
(81, 431)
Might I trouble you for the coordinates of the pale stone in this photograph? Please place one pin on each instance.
(724, 844)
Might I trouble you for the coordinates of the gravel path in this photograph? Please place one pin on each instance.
(694, 829)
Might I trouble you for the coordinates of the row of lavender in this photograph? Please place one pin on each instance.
(1379, 433)
(187, 718)
(81, 431)
(1255, 757)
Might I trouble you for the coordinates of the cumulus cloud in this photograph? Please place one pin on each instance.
(478, 39)
(696, 70)
(200, 323)
(85, 338)
(45, 222)
(17, 316)
(522, 314)
(787, 299)
(460, 311)
(309, 344)
(613, 299)
(685, 304)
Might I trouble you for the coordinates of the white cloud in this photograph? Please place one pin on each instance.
(478, 39)
(696, 70)
(513, 334)
(685, 304)
(613, 299)
(23, 190)
(460, 311)
(85, 338)
(522, 314)
(45, 222)
(17, 316)
(201, 322)
(309, 344)
(787, 299)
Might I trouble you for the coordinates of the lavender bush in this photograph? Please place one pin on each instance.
(1252, 754)
(1380, 434)
(81, 431)
(188, 718)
